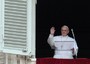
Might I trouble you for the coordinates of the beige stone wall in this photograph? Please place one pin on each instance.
(15, 59)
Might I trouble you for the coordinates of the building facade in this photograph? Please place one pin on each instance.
(17, 31)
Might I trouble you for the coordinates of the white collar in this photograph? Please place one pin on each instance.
(64, 36)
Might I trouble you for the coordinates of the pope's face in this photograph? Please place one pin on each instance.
(64, 31)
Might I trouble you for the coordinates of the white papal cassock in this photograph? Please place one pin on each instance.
(63, 46)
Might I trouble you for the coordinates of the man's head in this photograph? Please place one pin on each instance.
(64, 30)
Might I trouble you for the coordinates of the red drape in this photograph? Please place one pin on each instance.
(62, 61)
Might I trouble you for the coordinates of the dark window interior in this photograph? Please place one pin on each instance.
(75, 14)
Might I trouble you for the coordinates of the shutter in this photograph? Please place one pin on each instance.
(15, 31)
(15, 26)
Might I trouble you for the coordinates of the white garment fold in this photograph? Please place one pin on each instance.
(63, 54)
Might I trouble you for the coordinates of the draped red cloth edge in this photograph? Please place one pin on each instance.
(62, 61)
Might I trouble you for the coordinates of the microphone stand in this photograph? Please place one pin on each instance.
(75, 56)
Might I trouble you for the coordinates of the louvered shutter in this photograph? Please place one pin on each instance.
(17, 27)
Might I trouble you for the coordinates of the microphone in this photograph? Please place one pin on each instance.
(73, 33)
(75, 56)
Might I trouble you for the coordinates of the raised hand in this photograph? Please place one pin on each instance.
(52, 30)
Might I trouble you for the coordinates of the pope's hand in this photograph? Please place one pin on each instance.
(52, 30)
(72, 50)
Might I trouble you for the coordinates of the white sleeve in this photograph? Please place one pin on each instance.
(51, 41)
(75, 48)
